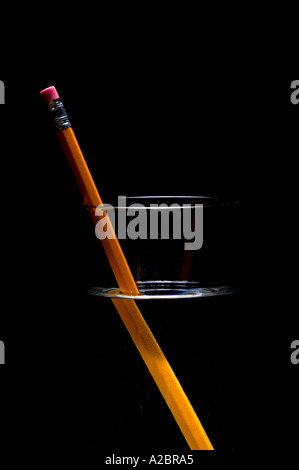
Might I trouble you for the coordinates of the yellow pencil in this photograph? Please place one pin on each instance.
(141, 334)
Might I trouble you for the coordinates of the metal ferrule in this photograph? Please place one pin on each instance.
(59, 115)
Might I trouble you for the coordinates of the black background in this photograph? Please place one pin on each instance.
(150, 119)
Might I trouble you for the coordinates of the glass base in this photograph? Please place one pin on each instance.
(163, 290)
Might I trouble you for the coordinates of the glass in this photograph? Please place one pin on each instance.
(195, 335)
(163, 267)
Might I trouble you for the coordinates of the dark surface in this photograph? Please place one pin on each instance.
(72, 371)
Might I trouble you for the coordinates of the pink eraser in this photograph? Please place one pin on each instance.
(49, 93)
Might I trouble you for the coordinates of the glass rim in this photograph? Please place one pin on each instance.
(162, 289)
(206, 201)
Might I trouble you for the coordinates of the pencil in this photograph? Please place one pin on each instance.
(130, 314)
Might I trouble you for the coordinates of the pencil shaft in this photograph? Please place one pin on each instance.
(163, 375)
(79, 167)
(91, 197)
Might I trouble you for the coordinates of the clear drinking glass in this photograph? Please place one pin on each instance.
(188, 297)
